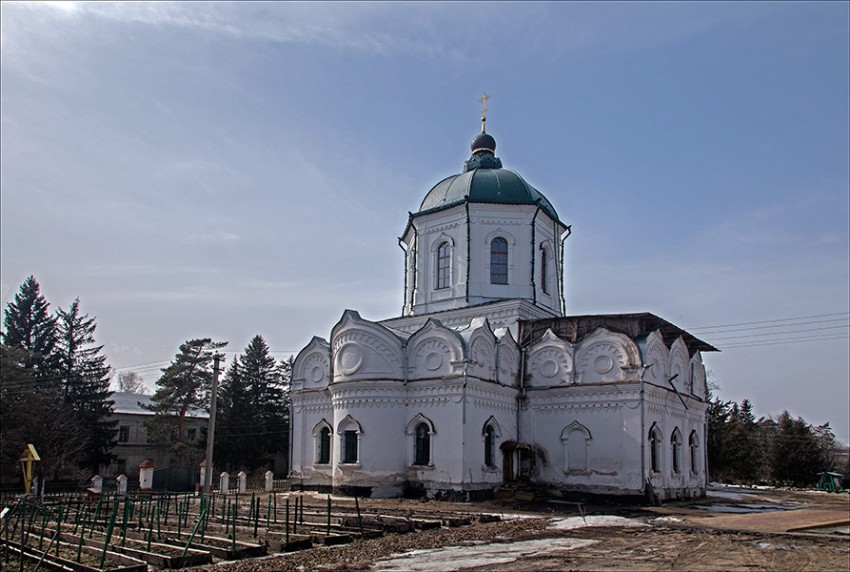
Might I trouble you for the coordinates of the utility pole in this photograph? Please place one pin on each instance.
(208, 461)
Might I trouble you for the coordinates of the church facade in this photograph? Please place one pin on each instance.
(483, 381)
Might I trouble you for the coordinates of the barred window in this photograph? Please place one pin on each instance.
(349, 454)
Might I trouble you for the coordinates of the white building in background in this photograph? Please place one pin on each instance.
(483, 382)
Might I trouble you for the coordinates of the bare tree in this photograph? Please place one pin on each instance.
(131, 382)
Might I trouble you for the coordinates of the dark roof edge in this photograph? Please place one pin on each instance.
(634, 324)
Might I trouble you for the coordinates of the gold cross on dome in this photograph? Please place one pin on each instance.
(483, 102)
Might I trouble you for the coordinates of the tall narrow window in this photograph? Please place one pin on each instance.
(124, 434)
(443, 265)
(676, 446)
(655, 450)
(324, 456)
(422, 452)
(349, 454)
(489, 446)
(499, 261)
(544, 270)
(693, 443)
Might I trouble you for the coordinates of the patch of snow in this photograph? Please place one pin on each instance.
(725, 495)
(665, 519)
(602, 520)
(460, 557)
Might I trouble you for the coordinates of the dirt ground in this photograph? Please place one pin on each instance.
(732, 529)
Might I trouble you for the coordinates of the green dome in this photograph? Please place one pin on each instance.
(483, 185)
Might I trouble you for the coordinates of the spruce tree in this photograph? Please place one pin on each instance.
(253, 421)
(233, 418)
(29, 326)
(85, 381)
(183, 388)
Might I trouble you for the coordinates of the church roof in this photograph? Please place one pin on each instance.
(485, 185)
(484, 180)
(636, 326)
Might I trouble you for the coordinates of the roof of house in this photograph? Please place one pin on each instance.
(133, 404)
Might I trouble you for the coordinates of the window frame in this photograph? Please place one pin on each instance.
(350, 447)
(499, 259)
(422, 445)
(655, 463)
(323, 444)
(124, 434)
(544, 269)
(676, 450)
(693, 445)
(443, 266)
(489, 445)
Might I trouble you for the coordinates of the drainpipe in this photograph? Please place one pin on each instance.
(465, 382)
(468, 250)
(521, 395)
(564, 236)
(414, 281)
(534, 252)
(643, 424)
(403, 246)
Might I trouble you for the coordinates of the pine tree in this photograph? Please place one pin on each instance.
(183, 387)
(30, 327)
(85, 381)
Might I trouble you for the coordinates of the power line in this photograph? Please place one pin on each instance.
(791, 333)
(770, 321)
(778, 342)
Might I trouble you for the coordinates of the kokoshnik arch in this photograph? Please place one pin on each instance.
(483, 381)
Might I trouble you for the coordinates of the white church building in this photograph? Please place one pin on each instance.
(483, 382)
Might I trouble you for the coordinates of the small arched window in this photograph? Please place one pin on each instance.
(544, 270)
(655, 449)
(499, 261)
(422, 445)
(444, 257)
(490, 446)
(324, 456)
(693, 444)
(676, 446)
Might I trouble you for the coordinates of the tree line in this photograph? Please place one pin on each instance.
(252, 424)
(54, 388)
(54, 393)
(784, 450)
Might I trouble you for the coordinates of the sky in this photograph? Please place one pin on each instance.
(230, 169)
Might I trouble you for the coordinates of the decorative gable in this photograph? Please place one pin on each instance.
(364, 350)
(312, 367)
(606, 356)
(434, 351)
(550, 362)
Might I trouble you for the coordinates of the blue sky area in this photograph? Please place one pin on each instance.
(221, 169)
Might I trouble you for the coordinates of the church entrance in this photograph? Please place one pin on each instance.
(517, 462)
